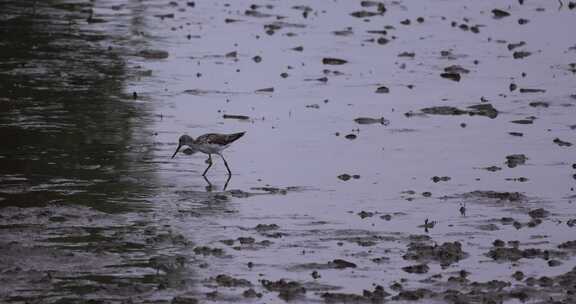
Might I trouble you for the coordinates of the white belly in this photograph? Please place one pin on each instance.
(209, 149)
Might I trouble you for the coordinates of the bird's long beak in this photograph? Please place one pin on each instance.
(177, 149)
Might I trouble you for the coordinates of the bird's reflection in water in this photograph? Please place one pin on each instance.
(209, 187)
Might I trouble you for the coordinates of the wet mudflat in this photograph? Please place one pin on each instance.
(400, 151)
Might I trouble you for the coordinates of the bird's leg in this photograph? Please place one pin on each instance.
(209, 161)
(227, 181)
(226, 164)
(209, 187)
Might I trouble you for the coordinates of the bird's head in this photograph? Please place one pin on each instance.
(184, 140)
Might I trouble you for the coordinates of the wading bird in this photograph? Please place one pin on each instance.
(211, 143)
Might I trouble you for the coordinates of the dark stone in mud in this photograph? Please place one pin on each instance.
(380, 260)
(539, 104)
(414, 295)
(446, 254)
(407, 54)
(275, 190)
(227, 242)
(534, 222)
(204, 250)
(538, 213)
(420, 268)
(382, 90)
(512, 87)
(239, 117)
(554, 263)
(350, 136)
(265, 90)
(364, 14)
(212, 295)
(246, 240)
(512, 46)
(523, 121)
(341, 264)
(515, 160)
(335, 264)
(443, 110)
(451, 76)
(437, 179)
(419, 238)
(545, 282)
(498, 13)
(561, 143)
(251, 293)
(519, 134)
(315, 275)
(456, 69)
(266, 227)
(488, 227)
(528, 90)
(492, 168)
(518, 275)
(364, 214)
(228, 281)
(153, 54)
(568, 245)
(386, 217)
(376, 296)
(274, 235)
(370, 120)
(498, 243)
(514, 254)
(184, 300)
(333, 61)
(344, 177)
(288, 290)
(257, 59)
(508, 196)
(521, 54)
(490, 285)
(484, 109)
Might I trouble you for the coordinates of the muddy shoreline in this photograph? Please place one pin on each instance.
(395, 151)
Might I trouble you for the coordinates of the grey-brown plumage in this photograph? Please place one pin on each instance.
(218, 139)
(211, 143)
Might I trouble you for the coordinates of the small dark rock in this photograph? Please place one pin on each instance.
(538, 213)
(382, 90)
(498, 13)
(451, 76)
(333, 61)
(561, 143)
(344, 176)
(341, 264)
(419, 269)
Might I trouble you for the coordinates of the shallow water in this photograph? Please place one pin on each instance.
(95, 209)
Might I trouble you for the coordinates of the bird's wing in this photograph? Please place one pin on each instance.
(212, 139)
(218, 139)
